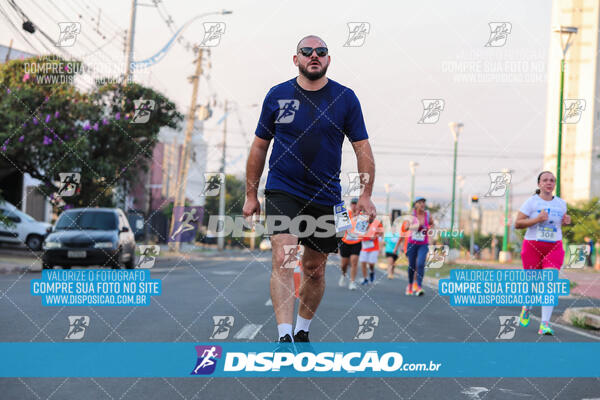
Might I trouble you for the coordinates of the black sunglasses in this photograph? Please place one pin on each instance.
(307, 51)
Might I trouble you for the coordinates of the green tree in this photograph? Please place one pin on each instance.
(47, 128)
(235, 195)
(585, 221)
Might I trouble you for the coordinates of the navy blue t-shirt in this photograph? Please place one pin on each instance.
(309, 129)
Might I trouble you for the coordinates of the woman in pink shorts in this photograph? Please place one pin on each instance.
(543, 215)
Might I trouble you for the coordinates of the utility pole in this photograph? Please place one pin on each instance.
(130, 39)
(221, 239)
(413, 169)
(8, 51)
(185, 150)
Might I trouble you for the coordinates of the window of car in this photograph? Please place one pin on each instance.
(23, 216)
(11, 215)
(87, 220)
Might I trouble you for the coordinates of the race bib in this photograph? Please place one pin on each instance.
(546, 233)
(418, 236)
(368, 244)
(362, 224)
(350, 235)
(341, 218)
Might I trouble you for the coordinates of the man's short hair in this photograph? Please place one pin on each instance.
(309, 36)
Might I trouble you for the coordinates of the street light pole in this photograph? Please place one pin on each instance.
(562, 31)
(413, 169)
(456, 128)
(461, 183)
(387, 187)
(505, 238)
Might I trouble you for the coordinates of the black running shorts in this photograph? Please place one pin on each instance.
(312, 223)
(347, 250)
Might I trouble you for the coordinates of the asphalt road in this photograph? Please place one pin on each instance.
(237, 285)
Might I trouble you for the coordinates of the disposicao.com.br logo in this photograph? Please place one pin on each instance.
(296, 362)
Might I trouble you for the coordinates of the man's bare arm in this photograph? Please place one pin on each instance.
(254, 170)
(366, 165)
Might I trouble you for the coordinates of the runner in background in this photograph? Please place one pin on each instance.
(418, 245)
(391, 239)
(543, 215)
(370, 250)
(350, 249)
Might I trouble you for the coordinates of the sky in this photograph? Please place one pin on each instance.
(413, 51)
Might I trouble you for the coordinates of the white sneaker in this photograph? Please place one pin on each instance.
(352, 285)
(342, 281)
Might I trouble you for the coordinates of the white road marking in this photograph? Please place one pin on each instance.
(566, 328)
(473, 392)
(249, 331)
(224, 272)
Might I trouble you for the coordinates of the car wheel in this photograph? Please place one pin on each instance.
(116, 261)
(131, 263)
(34, 242)
(66, 267)
(47, 266)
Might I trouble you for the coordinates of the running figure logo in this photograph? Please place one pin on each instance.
(432, 109)
(212, 183)
(291, 255)
(499, 182)
(69, 184)
(499, 32)
(573, 110)
(223, 324)
(577, 255)
(143, 111)
(77, 326)
(366, 326)
(357, 182)
(287, 111)
(68, 33)
(147, 255)
(357, 33)
(436, 255)
(185, 227)
(508, 326)
(212, 34)
(207, 359)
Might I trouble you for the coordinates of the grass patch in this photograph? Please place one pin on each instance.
(572, 285)
(580, 323)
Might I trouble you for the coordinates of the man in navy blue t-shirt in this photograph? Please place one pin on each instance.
(308, 118)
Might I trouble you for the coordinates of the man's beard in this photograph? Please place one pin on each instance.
(312, 76)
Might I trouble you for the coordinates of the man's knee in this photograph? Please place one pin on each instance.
(314, 269)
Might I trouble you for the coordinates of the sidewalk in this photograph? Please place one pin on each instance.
(16, 260)
(587, 279)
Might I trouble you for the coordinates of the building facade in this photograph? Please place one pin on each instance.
(580, 166)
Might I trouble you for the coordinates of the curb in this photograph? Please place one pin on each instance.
(582, 316)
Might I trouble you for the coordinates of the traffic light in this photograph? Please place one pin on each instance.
(474, 199)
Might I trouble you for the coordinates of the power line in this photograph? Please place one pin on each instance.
(17, 29)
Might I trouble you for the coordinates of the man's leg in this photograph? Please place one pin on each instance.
(282, 284)
(353, 267)
(344, 265)
(313, 282)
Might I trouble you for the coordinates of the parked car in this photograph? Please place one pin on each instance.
(21, 228)
(90, 236)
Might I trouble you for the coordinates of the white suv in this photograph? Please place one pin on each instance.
(22, 227)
